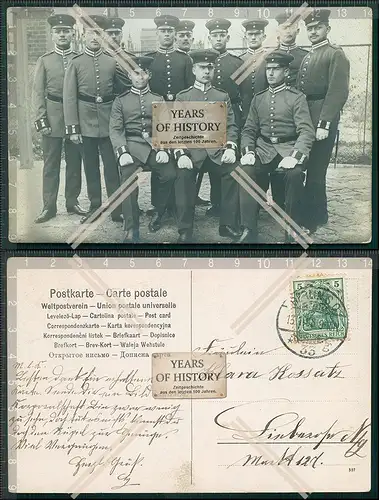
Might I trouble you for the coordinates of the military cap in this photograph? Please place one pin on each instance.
(318, 16)
(204, 55)
(280, 57)
(218, 25)
(100, 21)
(284, 16)
(166, 21)
(185, 26)
(114, 24)
(61, 20)
(255, 24)
(144, 62)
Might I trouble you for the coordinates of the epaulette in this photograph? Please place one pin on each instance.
(303, 50)
(154, 93)
(233, 55)
(185, 90)
(262, 92)
(78, 55)
(294, 90)
(220, 90)
(123, 93)
(48, 53)
(334, 46)
(149, 54)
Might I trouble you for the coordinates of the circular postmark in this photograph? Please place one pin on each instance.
(313, 322)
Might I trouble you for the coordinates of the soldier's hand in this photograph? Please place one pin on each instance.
(288, 162)
(125, 159)
(162, 157)
(46, 131)
(248, 159)
(76, 138)
(185, 162)
(321, 134)
(229, 156)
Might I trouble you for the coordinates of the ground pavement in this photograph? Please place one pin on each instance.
(349, 195)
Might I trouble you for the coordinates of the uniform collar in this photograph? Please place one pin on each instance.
(255, 52)
(92, 53)
(223, 54)
(320, 44)
(144, 91)
(202, 86)
(166, 51)
(279, 88)
(287, 48)
(61, 52)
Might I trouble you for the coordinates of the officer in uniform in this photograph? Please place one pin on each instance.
(255, 80)
(88, 93)
(114, 31)
(130, 131)
(287, 34)
(220, 162)
(278, 133)
(184, 36)
(225, 65)
(48, 96)
(324, 79)
(171, 72)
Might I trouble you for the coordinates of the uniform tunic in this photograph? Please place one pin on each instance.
(278, 125)
(324, 79)
(171, 72)
(130, 131)
(48, 101)
(89, 76)
(255, 81)
(298, 55)
(123, 83)
(210, 160)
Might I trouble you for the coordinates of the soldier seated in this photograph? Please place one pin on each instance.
(130, 131)
(278, 134)
(219, 162)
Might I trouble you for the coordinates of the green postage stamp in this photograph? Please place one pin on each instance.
(319, 307)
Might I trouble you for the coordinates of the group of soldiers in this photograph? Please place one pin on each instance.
(282, 119)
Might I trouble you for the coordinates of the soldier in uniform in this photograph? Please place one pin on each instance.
(256, 80)
(184, 36)
(287, 34)
(114, 31)
(171, 72)
(225, 65)
(48, 95)
(130, 131)
(220, 162)
(278, 133)
(324, 79)
(88, 93)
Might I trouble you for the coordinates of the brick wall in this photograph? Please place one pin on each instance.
(38, 32)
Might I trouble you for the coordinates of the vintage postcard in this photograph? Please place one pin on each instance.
(189, 375)
(248, 125)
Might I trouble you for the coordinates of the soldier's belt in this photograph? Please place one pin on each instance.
(279, 140)
(95, 99)
(316, 97)
(54, 98)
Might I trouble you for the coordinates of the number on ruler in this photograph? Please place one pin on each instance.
(265, 13)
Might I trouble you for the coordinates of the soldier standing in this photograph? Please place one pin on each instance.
(48, 95)
(130, 131)
(171, 72)
(256, 80)
(220, 162)
(278, 133)
(89, 87)
(114, 31)
(225, 65)
(184, 36)
(324, 79)
(287, 34)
